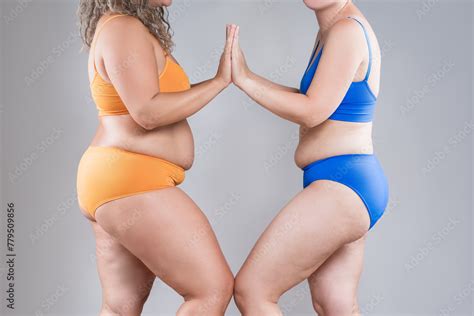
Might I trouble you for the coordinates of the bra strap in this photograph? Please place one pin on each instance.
(312, 55)
(368, 45)
(98, 30)
(315, 50)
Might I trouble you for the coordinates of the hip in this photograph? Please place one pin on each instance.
(108, 173)
(363, 173)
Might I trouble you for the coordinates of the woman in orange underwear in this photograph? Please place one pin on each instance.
(146, 227)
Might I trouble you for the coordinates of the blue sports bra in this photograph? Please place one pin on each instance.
(358, 104)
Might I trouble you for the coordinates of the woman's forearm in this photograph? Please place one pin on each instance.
(168, 108)
(277, 86)
(289, 104)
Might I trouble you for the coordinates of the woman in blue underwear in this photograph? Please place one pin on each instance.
(319, 235)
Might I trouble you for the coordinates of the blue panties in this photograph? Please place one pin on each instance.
(360, 172)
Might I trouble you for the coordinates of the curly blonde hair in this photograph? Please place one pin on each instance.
(155, 19)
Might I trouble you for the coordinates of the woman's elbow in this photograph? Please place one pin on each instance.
(145, 120)
(311, 119)
(147, 125)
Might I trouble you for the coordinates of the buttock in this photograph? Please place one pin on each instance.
(108, 173)
(362, 173)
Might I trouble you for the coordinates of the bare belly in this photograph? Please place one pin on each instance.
(333, 138)
(173, 143)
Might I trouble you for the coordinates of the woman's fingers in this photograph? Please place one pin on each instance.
(235, 41)
(237, 33)
(230, 38)
(227, 37)
(239, 66)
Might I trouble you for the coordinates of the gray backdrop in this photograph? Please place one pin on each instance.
(419, 256)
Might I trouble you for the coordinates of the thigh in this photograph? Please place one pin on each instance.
(125, 280)
(168, 232)
(311, 227)
(338, 277)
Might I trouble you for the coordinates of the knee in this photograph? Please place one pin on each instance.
(242, 290)
(212, 299)
(247, 291)
(123, 304)
(221, 288)
(254, 297)
(335, 304)
(218, 290)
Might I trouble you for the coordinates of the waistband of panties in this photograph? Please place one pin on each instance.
(317, 162)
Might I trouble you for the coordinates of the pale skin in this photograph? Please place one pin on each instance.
(319, 235)
(145, 236)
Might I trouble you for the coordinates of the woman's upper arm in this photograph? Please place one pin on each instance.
(342, 55)
(130, 63)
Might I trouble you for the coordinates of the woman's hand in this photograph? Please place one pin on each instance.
(240, 70)
(224, 72)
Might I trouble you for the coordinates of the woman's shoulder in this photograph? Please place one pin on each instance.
(121, 25)
(348, 27)
(347, 33)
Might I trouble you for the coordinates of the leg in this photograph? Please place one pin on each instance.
(334, 285)
(172, 237)
(126, 281)
(317, 222)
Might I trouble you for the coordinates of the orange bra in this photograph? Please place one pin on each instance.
(107, 100)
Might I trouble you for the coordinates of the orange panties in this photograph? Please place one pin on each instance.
(109, 173)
